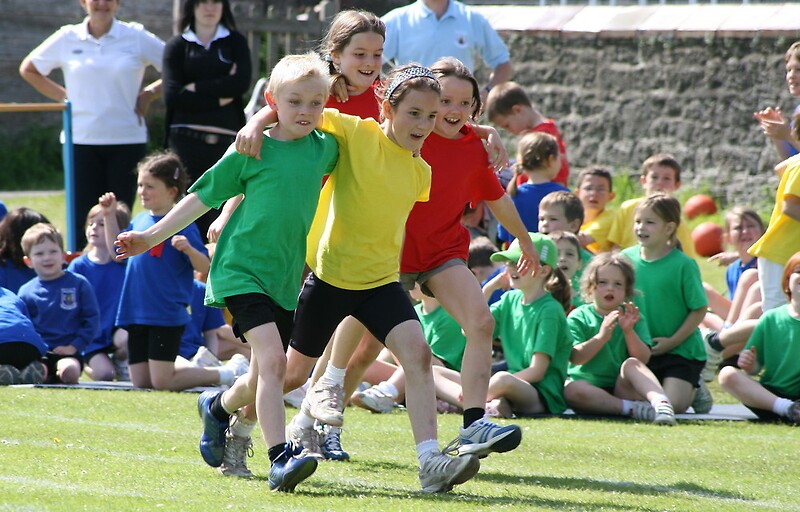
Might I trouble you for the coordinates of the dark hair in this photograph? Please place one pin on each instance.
(12, 227)
(667, 208)
(533, 150)
(450, 66)
(573, 207)
(665, 160)
(344, 26)
(481, 249)
(504, 97)
(559, 287)
(570, 237)
(167, 167)
(600, 172)
(607, 259)
(186, 21)
(401, 88)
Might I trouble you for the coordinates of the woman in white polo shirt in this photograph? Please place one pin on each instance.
(103, 61)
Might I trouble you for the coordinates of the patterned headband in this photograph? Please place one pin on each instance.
(408, 74)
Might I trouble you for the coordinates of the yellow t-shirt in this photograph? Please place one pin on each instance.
(357, 233)
(621, 232)
(782, 238)
(598, 228)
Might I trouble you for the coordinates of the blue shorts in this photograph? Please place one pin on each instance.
(322, 307)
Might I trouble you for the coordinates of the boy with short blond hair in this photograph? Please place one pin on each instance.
(509, 107)
(660, 173)
(595, 190)
(62, 305)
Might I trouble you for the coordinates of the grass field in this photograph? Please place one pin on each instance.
(67, 450)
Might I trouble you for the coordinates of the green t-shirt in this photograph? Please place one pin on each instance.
(525, 329)
(444, 335)
(670, 288)
(777, 341)
(603, 369)
(263, 246)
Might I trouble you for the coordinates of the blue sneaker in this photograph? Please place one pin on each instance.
(212, 442)
(484, 437)
(332, 444)
(289, 469)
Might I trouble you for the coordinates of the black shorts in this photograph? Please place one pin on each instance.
(156, 342)
(108, 350)
(670, 365)
(250, 310)
(18, 354)
(51, 360)
(322, 307)
(765, 415)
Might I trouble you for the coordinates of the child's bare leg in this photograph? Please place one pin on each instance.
(716, 302)
(120, 340)
(140, 375)
(586, 398)
(407, 342)
(679, 392)
(747, 290)
(68, 370)
(523, 397)
(459, 293)
(228, 345)
(364, 365)
(638, 377)
(100, 367)
(735, 337)
(745, 389)
(448, 385)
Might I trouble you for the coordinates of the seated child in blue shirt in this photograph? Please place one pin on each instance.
(62, 305)
(21, 347)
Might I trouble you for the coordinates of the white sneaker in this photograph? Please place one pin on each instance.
(664, 414)
(713, 356)
(307, 438)
(326, 403)
(484, 437)
(439, 472)
(237, 449)
(239, 364)
(375, 400)
(643, 411)
(295, 397)
(204, 358)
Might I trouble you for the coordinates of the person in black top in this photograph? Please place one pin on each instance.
(206, 71)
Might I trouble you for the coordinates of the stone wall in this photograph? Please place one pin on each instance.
(619, 100)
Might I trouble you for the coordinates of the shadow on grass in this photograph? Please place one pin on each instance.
(518, 491)
(584, 484)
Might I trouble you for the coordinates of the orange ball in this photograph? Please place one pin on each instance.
(699, 204)
(707, 238)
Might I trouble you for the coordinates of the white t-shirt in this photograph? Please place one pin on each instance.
(102, 77)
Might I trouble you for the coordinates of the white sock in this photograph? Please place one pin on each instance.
(333, 375)
(425, 449)
(781, 406)
(388, 388)
(242, 426)
(657, 399)
(627, 407)
(226, 376)
(303, 419)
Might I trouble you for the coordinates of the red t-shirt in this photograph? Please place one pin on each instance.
(460, 174)
(365, 105)
(562, 177)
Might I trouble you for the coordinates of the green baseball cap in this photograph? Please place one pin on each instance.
(548, 252)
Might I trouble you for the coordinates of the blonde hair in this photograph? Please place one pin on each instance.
(122, 213)
(666, 208)
(297, 68)
(573, 207)
(607, 259)
(39, 233)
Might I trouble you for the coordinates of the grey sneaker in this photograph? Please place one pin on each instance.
(234, 460)
(121, 369)
(703, 401)
(34, 373)
(439, 473)
(326, 403)
(306, 438)
(643, 411)
(484, 437)
(664, 414)
(9, 375)
(375, 400)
